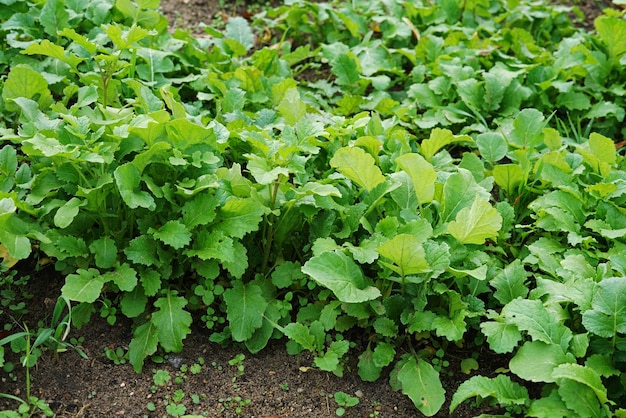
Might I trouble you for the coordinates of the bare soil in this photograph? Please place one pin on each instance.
(272, 383)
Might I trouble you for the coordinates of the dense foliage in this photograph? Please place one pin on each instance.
(427, 173)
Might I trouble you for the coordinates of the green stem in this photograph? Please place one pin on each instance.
(269, 232)
(27, 360)
(133, 60)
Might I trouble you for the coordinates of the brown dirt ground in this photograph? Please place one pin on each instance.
(271, 384)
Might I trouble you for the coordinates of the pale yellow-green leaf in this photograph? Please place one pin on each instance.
(292, 107)
(422, 174)
(6, 257)
(476, 224)
(508, 176)
(599, 153)
(406, 253)
(439, 138)
(358, 166)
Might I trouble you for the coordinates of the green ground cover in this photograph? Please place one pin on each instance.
(421, 172)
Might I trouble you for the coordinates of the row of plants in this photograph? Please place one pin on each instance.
(421, 172)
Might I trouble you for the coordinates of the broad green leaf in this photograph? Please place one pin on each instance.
(422, 174)
(292, 107)
(42, 145)
(476, 224)
(385, 327)
(142, 250)
(508, 177)
(8, 165)
(420, 382)
(407, 254)
(559, 211)
(580, 398)
(438, 257)
(238, 29)
(367, 369)
(599, 153)
(143, 344)
(346, 68)
(337, 272)
(151, 282)
(510, 283)
(124, 276)
(612, 31)
(83, 286)
(239, 264)
(548, 407)
(471, 93)
(501, 388)
(79, 39)
(535, 361)
(123, 39)
(199, 211)
(384, 354)
(478, 273)
(531, 316)
(173, 233)
(213, 245)
(300, 334)
(63, 246)
(460, 191)
(287, 274)
(245, 306)
(54, 17)
(358, 166)
(177, 108)
(66, 213)
(262, 335)
(502, 338)
(606, 109)
(183, 134)
(527, 130)
(605, 229)
(438, 139)
(238, 217)
(171, 321)
(318, 189)
(330, 361)
(584, 375)
(492, 146)
(375, 58)
(497, 80)
(47, 48)
(452, 327)
(262, 172)
(23, 81)
(603, 364)
(133, 303)
(17, 244)
(573, 100)
(234, 100)
(127, 178)
(608, 316)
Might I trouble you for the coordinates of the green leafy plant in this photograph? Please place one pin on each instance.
(31, 404)
(116, 355)
(344, 401)
(399, 177)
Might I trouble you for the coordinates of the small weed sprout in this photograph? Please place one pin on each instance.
(344, 401)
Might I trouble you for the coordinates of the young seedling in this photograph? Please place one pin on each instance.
(344, 401)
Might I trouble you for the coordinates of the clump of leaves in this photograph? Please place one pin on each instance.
(448, 167)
